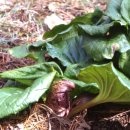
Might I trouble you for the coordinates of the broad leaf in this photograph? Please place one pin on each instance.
(96, 29)
(71, 73)
(124, 63)
(34, 51)
(90, 18)
(114, 11)
(27, 74)
(19, 51)
(113, 85)
(13, 100)
(125, 10)
(100, 48)
(69, 51)
(65, 35)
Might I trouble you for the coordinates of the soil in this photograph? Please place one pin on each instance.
(25, 23)
(109, 117)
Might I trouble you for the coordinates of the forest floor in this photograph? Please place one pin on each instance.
(25, 22)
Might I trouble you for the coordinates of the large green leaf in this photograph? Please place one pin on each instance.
(90, 18)
(34, 51)
(113, 85)
(96, 29)
(65, 35)
(124, 63)
(69, 51)
(27, 74)
(71, 73)
(14, 99)
(125, 10)
(68, 45)
(31, 72)
(83, 49)
(114, 11)
(19, 51)
(100, 48)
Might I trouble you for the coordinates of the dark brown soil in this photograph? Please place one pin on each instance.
(109, 117)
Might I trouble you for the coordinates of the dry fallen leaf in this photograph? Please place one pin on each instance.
(53, 20)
